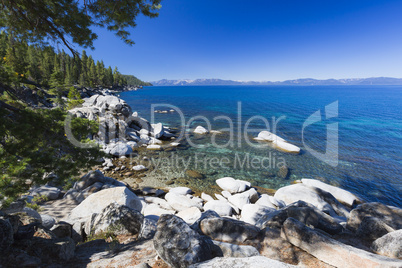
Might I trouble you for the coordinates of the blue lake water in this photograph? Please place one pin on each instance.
(369, 133)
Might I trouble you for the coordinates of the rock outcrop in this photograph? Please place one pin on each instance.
(179, 245)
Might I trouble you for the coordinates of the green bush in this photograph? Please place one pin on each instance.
(33, 142)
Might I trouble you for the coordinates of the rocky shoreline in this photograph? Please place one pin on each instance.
(117, 216)
(325, 227)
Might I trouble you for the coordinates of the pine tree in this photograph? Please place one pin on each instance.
(109, 77)
(100, 72)
(33, 65)
(83, 75)
(57, 85)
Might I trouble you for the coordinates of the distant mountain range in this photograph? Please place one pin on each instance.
(298, 82)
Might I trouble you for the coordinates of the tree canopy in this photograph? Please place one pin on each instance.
(72, 21)
(32, 141)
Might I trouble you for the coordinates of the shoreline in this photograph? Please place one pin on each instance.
(120, 207)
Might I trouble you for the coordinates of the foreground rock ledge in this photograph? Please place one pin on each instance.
(331, 251)
(254, 262)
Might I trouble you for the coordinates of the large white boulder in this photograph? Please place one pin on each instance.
(268, 136)
(96, 202)
(190, 215)
(200, 130)
(233, 186)
(158, 201)
(118, 149)
(219, 206)
(251, 213)
(265, 201)
(286, 147)
(342, 195)
(181, 190)
(156, 211)
(182, 202)
(158, 130)
(239, 200)
(299, 191)
(90, 113)
(206, 197)
(109, 102)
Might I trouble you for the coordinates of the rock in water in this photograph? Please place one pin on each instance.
(283, 172)
(268, 136)
(158, 130)
(194, 174)
(179, 245)
(286, 147)
(119, 219)
(200, 130)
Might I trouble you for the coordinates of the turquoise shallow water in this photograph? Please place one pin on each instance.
(369, 134)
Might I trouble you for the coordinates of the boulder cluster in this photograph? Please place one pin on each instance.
(307, 222)
(120, 129)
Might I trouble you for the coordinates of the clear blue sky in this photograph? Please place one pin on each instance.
(261, 40)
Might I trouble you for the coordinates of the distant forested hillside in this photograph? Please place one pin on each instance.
(134, 81)
(42, 65)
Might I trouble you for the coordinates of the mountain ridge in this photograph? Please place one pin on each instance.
(296, 82)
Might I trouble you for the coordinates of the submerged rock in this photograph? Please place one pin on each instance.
(194, 174)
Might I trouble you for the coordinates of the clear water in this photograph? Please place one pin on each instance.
(370, 134)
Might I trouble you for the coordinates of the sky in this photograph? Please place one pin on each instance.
(261, 40)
